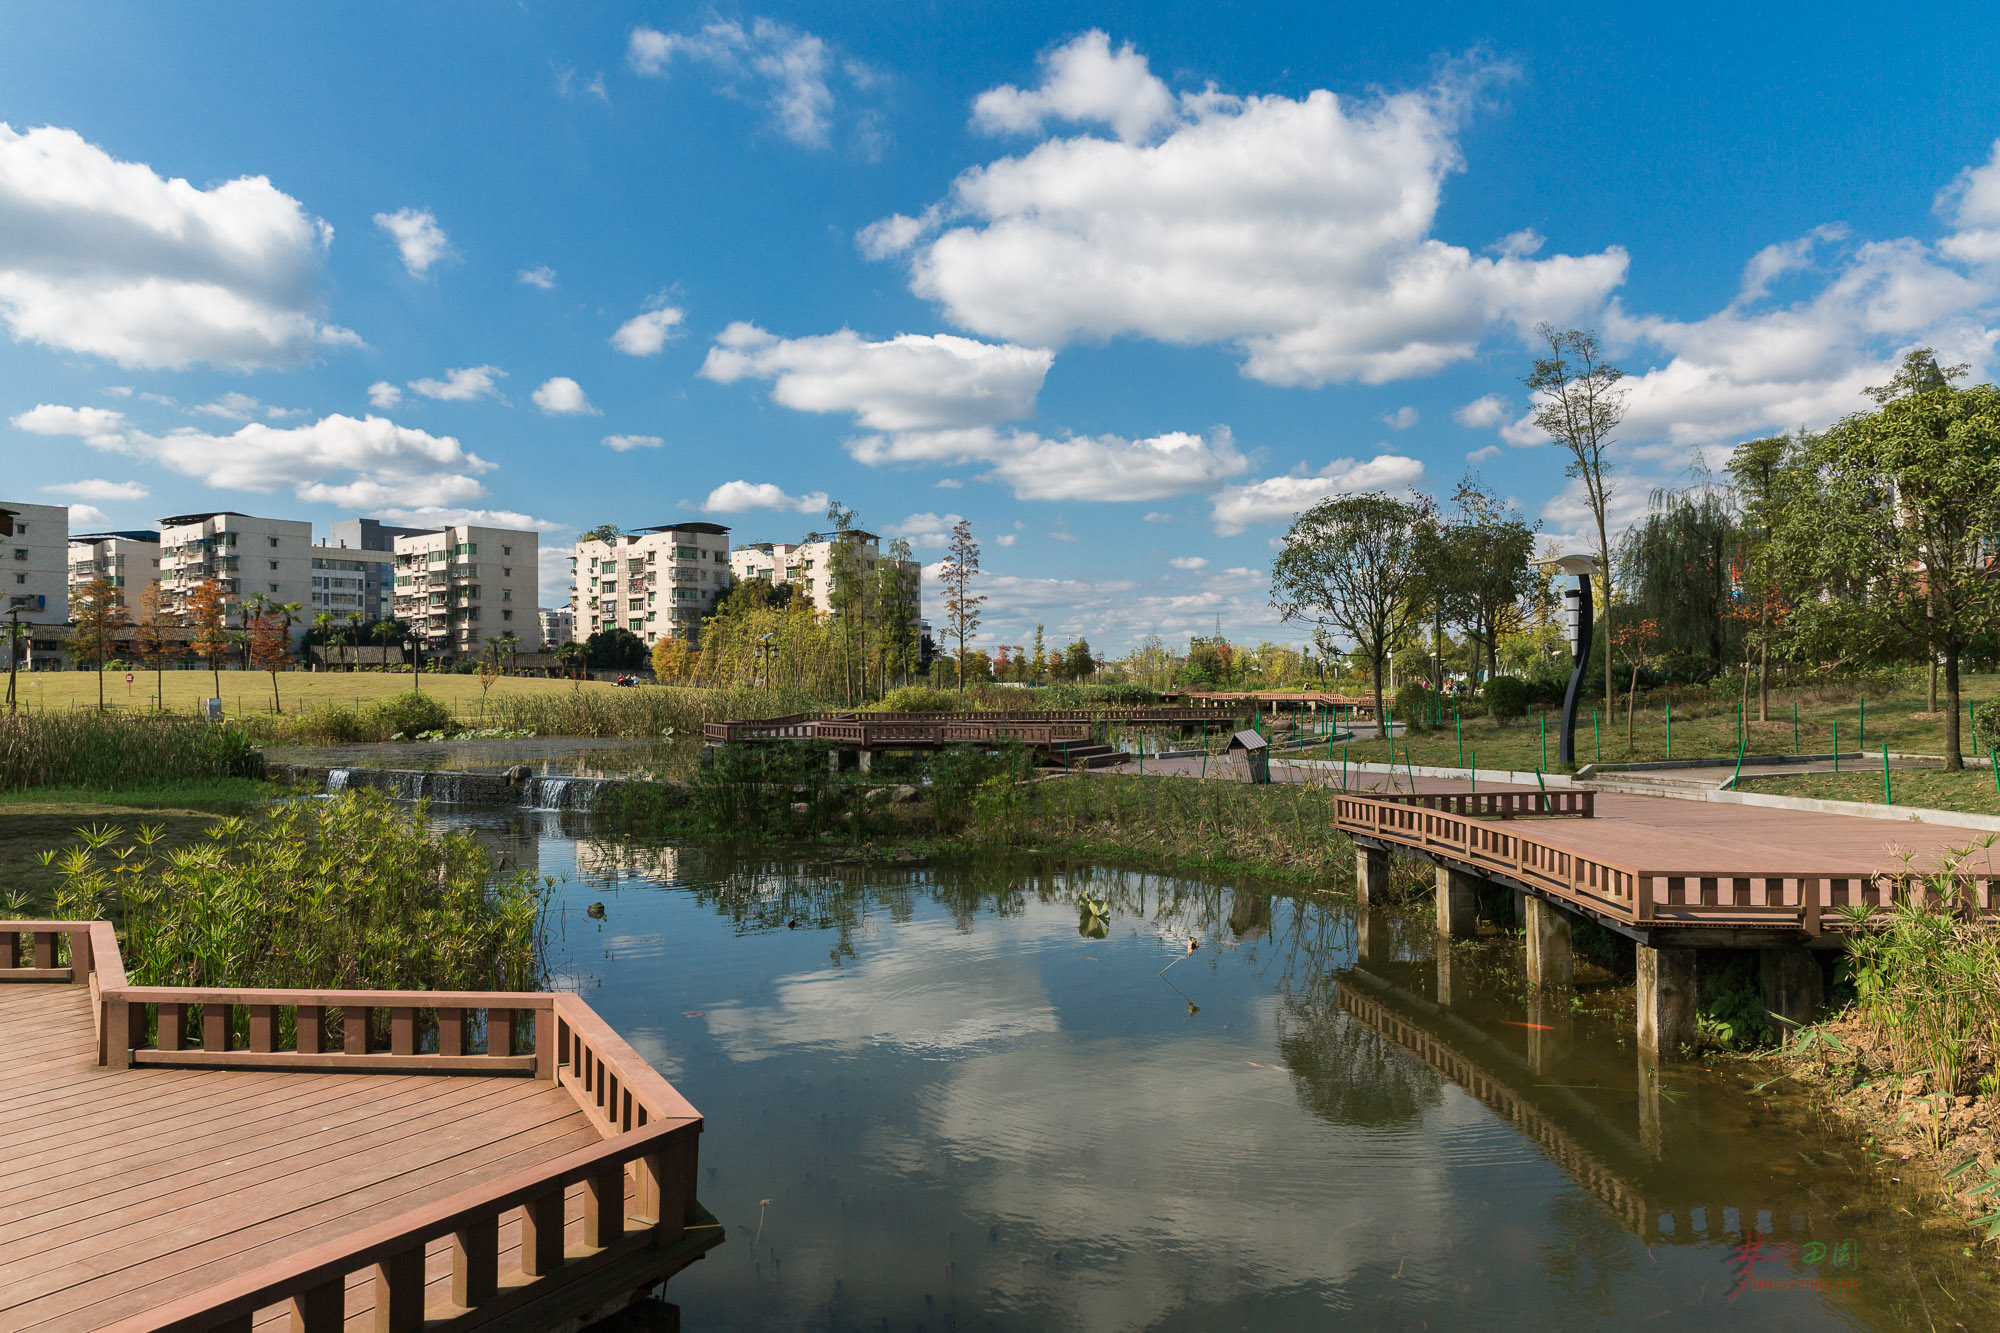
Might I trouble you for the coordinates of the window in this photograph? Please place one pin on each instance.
(274, 565)
(21, 528)
(506, 594)
(20, 554)
(20, 578)
(506, 572)
(506, 615)
(274, 542)
(506, 550)
(274, 587)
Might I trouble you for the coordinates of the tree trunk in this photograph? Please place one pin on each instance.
(279, 708)
(1933, 700)
(1954, 761)
(1381, 726)
(1764, 668)
(100, 687)
(1631, 702)
(1604, 554)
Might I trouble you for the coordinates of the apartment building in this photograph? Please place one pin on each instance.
(558, 625)
(244, 554)
(131, 560)
(34, 572)
(378, 590)
(463, 585)
(656, 582)
(807, 567)
(348, 582)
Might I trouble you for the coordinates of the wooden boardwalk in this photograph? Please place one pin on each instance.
(238, 1184)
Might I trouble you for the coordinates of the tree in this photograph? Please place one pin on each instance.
(1349, 566)
(603, 532)
(673, 661)
(847, 593)
(211, 636)
(1758, 467)
(615, 650)
(1077, 662)
(149, 636)
(895, 594)
(1151, 664)
(1493, 550)
(1676, 563)
(1038, 665)
(270, 646)
(1579, 405)
(961, 604)
(1900, 508)
(97, 615)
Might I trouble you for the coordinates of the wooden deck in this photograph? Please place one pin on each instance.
(238, 1184)
(1680, 872)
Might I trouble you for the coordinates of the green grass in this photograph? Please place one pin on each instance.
(1970, 792)
(1704, 727)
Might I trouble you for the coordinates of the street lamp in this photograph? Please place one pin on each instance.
(413, 645)
(1577, 621)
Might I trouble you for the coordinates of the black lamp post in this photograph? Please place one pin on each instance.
(1577, 620)
(413, 644)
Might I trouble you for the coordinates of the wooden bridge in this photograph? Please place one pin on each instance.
(1061, 735)
(1674, 876)
(184, 1158)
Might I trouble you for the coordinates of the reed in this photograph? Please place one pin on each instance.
(352, 892)
(119, 750)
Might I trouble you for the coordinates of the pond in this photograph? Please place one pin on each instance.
(938, 1098)
(562, 756)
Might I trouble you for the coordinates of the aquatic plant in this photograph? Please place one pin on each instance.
(351, 892)
(113, 750)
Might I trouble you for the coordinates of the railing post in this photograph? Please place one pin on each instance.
(399, 1292)
(45, 948)
(542, 1234)
(451, 1034)
(475, 1262)
(321, 1309)
(604, 1206)
(547, 1025)
(214, 1027)
(499, 1031)
(312, 1029)
(403, 1031)
(263, 1027)
(79, 957)
(354, 1029)
(173, 1027)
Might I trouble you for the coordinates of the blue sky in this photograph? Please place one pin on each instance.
(1125, 285)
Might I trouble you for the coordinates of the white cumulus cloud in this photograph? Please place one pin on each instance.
(96, 488)
(83, 518)
(908, 382)
(111, 259)
(626, 443)
(929, 531)
(541, 275)
(1298, 230)
(788, 68)
(563, 397)
(338, 460)
(1490, 410)
(1189, 562)
(419, 240)
(735, 497)
(457, 386)
(1281, 499)
(384, 395)
(645, 334)
(1083, 82)
(1401, 419)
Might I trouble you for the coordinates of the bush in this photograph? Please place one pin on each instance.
(332, 724)
(916, 699)
(1506, 697)
(1986, 726)
(1415, 703)
(407, 716)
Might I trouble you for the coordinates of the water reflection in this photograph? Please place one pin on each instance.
(560, 756)
(932, 1103)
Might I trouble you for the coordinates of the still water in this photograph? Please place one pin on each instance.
(560, 756)
(936, 1099)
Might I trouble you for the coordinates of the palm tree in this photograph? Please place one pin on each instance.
(355, 619)
(323, 626)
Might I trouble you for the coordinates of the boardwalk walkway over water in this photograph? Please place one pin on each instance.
(263, 1176)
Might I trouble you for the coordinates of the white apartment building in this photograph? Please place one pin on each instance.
(808, 567)
(656, 582)
(349, 582)
(558, 625)
(464, 585)
(34, 563)
(244, 554)
(131, 560)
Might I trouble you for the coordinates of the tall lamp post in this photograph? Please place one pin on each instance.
(413, 644)
(1578, 620)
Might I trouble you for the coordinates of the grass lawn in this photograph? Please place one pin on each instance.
(35, 820)
(249, 692)
(1970, 792)
(1704, 727)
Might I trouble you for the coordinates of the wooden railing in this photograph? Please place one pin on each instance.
(1799, 898)
(1581, 803)
(650, 1134)
(983, 725)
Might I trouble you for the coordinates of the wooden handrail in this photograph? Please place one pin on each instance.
(648, 1129)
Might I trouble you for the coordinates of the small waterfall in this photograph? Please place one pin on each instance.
(336, 779)
(562, 793)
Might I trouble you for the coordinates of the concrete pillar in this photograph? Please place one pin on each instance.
(1371, 876)
(1457, 904)
(833, 758)
(1791, 982)
(1550, 962)
(1551, 1030)
(1447, 995)
(867, 760)
(1665, 999)
(1652, 1132)
(1520, 909)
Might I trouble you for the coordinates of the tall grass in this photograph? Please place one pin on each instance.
(649, 711)
(119, 750)
(355, 892)
(1927, 987)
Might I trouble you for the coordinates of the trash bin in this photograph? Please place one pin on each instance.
(1256, 752)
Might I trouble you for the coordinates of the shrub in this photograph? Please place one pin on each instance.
(351, 892)
(916, 699)
(407, 716)
(1986, 726)
(1506, 697)
(332, 724)
(1414, 703)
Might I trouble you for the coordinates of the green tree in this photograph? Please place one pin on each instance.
(847, 595)
(1579, 403)
(615, 650)
(1492, 549)
(897, 580)
(1038, 665)
(603, 532)
(1077, 662)
(1900, 508)
(97, 622)
(1676, 565)
(1348, 567)
(1758, 468)
(961, 604)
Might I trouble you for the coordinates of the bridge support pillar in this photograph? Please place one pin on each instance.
(1791, 982)
(1447, 995)
(1371, 876)
(1666, 999)
(1371, 935)
(1457, 903)
(1550, 962)
(1652, 1132)
(1520, 909)
(1551, 1029)
(867, 760)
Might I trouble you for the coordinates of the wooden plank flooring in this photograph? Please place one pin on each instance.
(133, 1187)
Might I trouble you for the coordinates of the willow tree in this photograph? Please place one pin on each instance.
(1676, 565)
(1350, 567)
(1901, 506)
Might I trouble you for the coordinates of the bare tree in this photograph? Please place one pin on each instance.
(1579, 403)
(961, 605)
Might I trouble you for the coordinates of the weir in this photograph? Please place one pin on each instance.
(445, 787)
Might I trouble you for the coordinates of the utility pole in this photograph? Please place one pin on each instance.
(13, 652)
